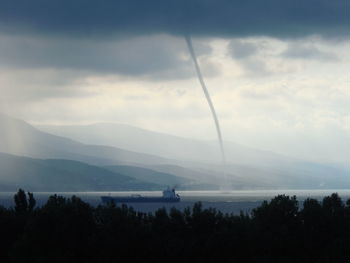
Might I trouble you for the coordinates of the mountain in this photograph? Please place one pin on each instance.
(135, 139)
(63, 175)
(19, 138)
(164, 145)
(247, 168)
(163, 178)
(149, 175)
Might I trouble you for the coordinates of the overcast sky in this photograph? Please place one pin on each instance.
(277, 70)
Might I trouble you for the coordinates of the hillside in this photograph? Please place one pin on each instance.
(164, 145)
(63, 175)
(19, 138)
(163, 178)
(247, 168)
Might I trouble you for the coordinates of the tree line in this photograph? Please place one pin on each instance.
(71, 230)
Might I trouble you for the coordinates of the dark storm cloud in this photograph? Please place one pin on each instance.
(157, 57)
(280, 18)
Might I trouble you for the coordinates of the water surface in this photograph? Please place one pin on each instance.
(225, 201)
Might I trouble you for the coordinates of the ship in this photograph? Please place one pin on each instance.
(169, 196)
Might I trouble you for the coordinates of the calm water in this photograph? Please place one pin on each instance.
(225, 201)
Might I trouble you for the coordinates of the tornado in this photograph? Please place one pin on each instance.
(207, 95)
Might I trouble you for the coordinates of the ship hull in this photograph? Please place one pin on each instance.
(110, 199)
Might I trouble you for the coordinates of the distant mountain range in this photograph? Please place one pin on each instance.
(63, 175)
(19, 138)
(74, 165)
(160, 144)
(106, 153)
(247, 168)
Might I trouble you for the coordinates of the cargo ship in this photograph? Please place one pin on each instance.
(169, 196)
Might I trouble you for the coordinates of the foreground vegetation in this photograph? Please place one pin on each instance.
(70, 230)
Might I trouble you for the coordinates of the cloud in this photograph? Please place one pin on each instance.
(264, 56)
(156, 56)
(249, 54)
(34, 69)
(308, 52)
(279, 18)
(25, 86)
(242, 49)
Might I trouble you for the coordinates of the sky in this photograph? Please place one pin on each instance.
(276, 69)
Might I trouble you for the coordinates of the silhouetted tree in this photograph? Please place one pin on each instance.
(333, 205)
(31, 202)
(278, 225)
(70, 230)
(21, 204)
(279, 211)
(311, 213)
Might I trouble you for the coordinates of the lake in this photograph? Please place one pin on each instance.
(225, 201)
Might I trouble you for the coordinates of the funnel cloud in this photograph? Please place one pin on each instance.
(206, 92)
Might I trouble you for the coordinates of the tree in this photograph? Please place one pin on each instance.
(312, 213)
(280, 210)
(31, 202)
(333, 205)
(21, 203)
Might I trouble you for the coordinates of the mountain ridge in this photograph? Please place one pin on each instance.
(161, 144)
(63, 175)
(19, 138)
(250, 169)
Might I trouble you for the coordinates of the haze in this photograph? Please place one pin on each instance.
(278, 78)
